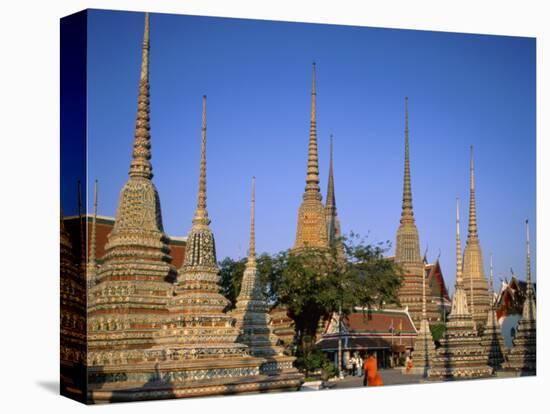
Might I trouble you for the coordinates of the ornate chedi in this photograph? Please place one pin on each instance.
(312, 229)
(201, 354)
(474, 277)
(522, 358)
(128, 303)
(492, 340)
(252, 316)
(424, 347)
(72, 321)
(312, 225)
(407, 250)
(461, 354)
(198, 328)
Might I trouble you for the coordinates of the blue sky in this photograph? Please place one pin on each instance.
(463, 90)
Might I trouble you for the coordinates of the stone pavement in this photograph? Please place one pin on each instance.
(389, 376)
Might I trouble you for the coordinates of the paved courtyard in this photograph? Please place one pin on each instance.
(389, 376)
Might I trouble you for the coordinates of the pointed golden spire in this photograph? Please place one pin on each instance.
(140, 165)
(472, 225)
(330, 205)
(312, 190)
(407, 208)
(92, 256)
(252, 245)
(201, 214)
(458, 248)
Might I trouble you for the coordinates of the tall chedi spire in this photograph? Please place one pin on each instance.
(251, 313)
(128, 303)
(460, 354)
(333, 223)
(312, 229)
(474, 277)
(200, 340)
(522, 358)
(197, 299)
(407, 250)
(492, 340)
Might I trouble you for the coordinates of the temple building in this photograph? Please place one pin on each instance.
(509, 306)
(492, 340)
(474, 276)
(461, 354)
(407, 247)
(522, 358)
(436, 292)
(389, 333)
(251, 314)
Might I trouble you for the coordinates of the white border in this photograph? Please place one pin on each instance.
(29, 102)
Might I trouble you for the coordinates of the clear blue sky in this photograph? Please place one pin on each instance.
(463, 90)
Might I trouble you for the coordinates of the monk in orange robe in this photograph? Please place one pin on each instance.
(370, 367)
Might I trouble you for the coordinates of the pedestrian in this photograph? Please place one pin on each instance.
(353, 362)
(370, 368)
(408, 364)
(359, 366)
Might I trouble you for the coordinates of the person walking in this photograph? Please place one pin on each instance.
(359, 366)
(370, 368)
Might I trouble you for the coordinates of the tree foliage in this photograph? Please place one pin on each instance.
(314, 283)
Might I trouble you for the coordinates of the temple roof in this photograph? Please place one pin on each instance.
(379, 321)
(104, 225)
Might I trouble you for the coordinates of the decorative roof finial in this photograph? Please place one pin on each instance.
(252, 245)
(312, 179)
(140, 165)
(407, 210)
(201, 214)
(458, 248)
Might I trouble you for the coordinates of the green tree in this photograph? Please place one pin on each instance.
(314, 283)
(231, 275)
